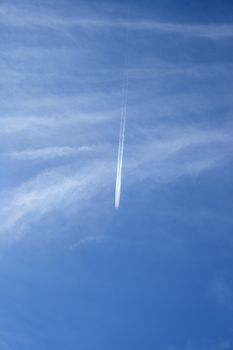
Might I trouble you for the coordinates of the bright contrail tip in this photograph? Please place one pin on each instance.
(120, 160)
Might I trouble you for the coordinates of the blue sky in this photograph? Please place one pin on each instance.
(74, 272)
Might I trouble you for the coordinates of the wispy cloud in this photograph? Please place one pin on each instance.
(28, 17)
(168, 153)
(61, 98)
(18, 124)
(164, 155)
(50, 191)
(45, 153)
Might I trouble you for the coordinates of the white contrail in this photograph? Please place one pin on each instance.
(124, 100)
(120, 164)
(121, 143)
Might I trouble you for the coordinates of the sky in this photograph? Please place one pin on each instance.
(75, 273)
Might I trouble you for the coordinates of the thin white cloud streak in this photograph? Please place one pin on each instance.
(18, 124)
(88, 240)
(169, 154)
(204, 31)
(45, 153)
(15, 17)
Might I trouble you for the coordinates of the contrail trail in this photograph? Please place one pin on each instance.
(124, 100)
(121, 143)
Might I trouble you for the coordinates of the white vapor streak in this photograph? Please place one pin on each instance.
(122, 126)
(121, 145)
(120, 162)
